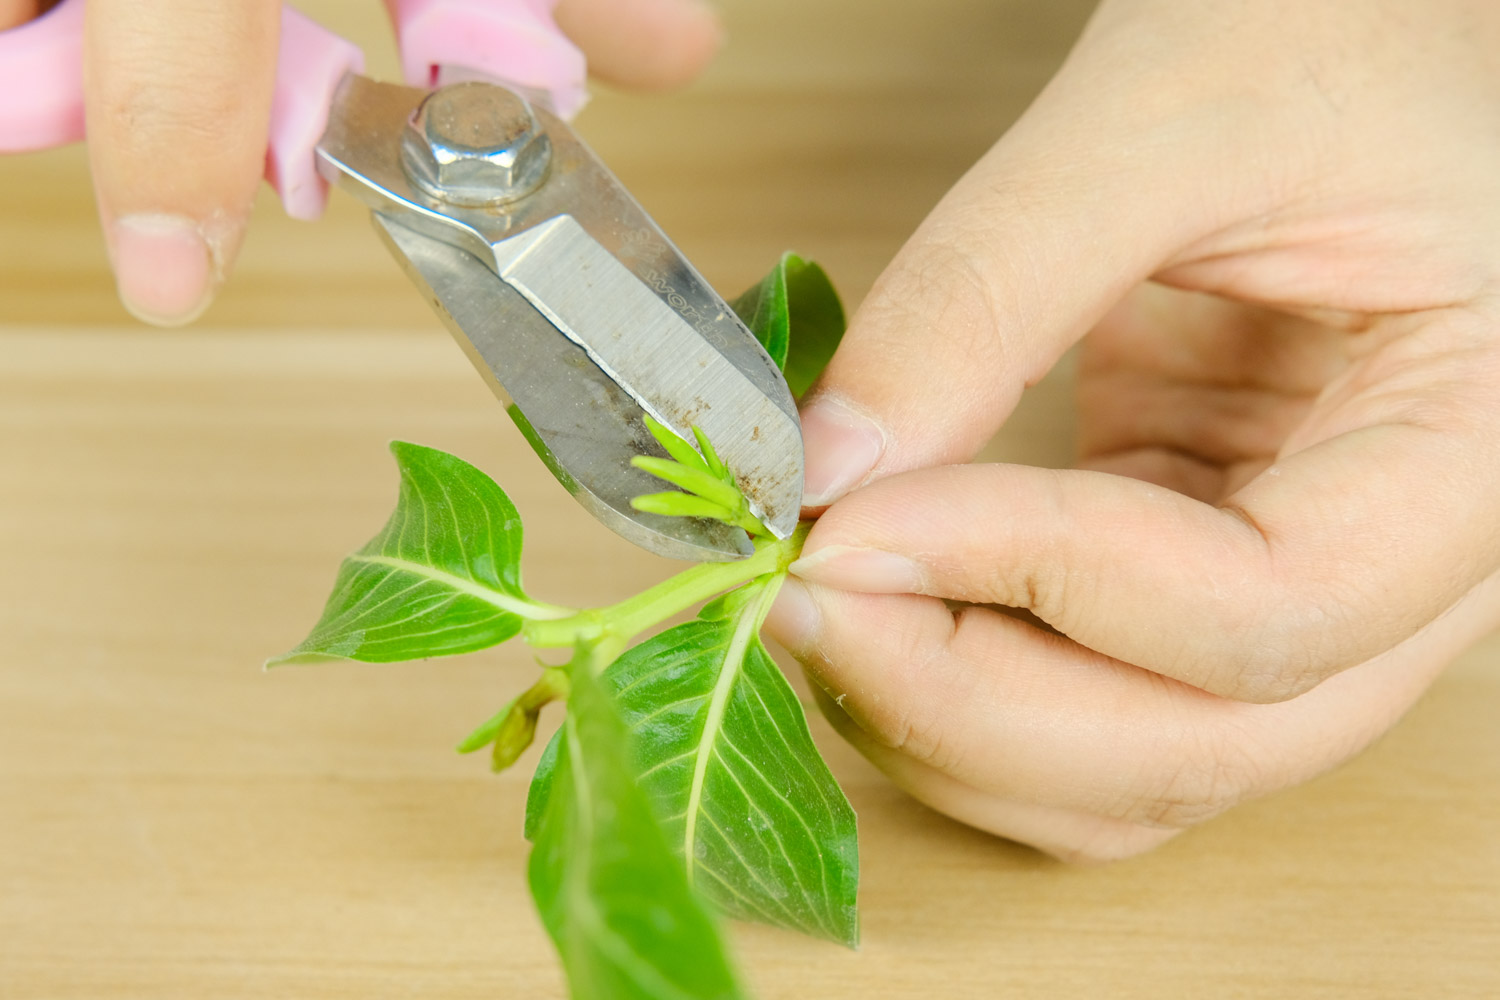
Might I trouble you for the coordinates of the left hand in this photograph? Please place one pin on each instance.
(178, 103)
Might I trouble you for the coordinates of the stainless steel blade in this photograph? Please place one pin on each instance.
(579, 421)
(593, 263)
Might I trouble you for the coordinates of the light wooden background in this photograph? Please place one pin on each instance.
(174, 823)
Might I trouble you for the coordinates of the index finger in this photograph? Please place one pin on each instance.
(1376, 517)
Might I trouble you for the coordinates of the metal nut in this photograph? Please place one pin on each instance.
(475, 144)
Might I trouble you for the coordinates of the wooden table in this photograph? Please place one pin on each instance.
(176, 823)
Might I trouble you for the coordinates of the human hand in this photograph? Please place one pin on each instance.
(178, 100)
(1284, 523)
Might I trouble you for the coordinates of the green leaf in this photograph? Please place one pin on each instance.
(613, 897)
(722, 749)
(442, 577)
(817, 322)
(763, 308)
(540, 792)
(795, 313)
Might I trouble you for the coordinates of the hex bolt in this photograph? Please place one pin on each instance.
(474, 144)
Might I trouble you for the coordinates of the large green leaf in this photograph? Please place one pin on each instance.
(797, 316)
(610, 892)
(722, 749)
(442, 577)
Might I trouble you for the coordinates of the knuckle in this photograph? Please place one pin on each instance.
(918, 715)
(1303, 616)
(1264, 639)
(1284, 655)
(922, 742)
(951, 274)
(140, 102)
(1268, 681)
(916, 726)
(1062, 599)
(1206, 777)
(151, 111)
(1059, 591)
(1271, 649)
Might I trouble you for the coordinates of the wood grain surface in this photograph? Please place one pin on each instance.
(175, 823)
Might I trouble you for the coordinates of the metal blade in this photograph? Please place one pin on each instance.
(590, 260)
(579, 421)
(663, 361)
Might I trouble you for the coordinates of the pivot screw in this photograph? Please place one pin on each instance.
(475, 144)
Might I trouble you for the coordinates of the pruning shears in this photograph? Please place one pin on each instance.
(578, 311)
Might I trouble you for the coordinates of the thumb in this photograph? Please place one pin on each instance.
(1098, 185)
(178, 100)
(643, 44)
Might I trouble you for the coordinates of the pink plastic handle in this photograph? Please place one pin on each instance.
(41, 95)
(41, 75)
(311, 62)
(41, 81)
(514, 40)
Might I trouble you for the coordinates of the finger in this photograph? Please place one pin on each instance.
(1025, 716)
(1104, 178)
(178, 98)
(1334, 554)
(1196, 393)
(1219, 381)
(1066, 834)
(1168, 468)
(14, 12)
(643, 44)
(1014, 712)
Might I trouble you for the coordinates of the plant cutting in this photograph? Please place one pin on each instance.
(682, 782)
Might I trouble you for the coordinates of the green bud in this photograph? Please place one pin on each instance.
(696, 481)
(675, 445)
(674, 504)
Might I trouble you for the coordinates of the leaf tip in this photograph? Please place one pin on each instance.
(300, 657)
(470, 744)
(280, 659)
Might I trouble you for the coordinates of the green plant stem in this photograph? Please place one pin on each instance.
(619, 623)
(598, 653)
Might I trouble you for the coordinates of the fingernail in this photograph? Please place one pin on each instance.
(868, 571)
(164, 267)
(794, 618)
(842, 447)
